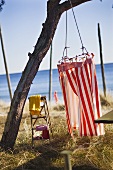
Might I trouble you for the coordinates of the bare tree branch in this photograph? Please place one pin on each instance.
(1, 4)
(67, 5)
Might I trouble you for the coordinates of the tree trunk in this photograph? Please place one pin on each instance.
(54, 11)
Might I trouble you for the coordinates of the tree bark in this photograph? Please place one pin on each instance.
(54, 12)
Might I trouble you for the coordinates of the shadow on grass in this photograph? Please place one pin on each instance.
(84, 167)
(48, 156)
(42, 162)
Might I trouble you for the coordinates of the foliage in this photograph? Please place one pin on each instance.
(1, 4)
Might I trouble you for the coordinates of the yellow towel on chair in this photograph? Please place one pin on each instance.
(34, 105)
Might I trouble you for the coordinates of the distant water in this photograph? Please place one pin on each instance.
(41, 83)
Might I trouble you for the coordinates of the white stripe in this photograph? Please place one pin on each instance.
(86, 102)
(71, 99)
(94, 93)
(87, 127)
(72, 103)
(88, 87)
(64, 83)
(100, 127)
(72, 80)
(80, 110)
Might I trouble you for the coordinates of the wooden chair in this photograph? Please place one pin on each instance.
(39, 110)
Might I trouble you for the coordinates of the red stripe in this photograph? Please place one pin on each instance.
(70, 81)
(66, 105)
(80, 130)
(84, 124)
(88, 73)
(90, 64)
(97, 101)
(96, 91)
(88, 99)
(97, 96)
(75, 83)
(82, 121)
(83, 103)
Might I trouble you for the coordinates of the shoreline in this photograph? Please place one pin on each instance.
(41, 70)
(106, 105)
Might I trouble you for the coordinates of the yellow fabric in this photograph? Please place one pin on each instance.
(34, 105)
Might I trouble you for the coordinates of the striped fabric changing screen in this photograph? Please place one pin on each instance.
(81, 97)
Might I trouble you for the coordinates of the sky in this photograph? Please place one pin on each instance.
(21, 25)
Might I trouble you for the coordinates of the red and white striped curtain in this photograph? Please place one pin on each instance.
(81, 97)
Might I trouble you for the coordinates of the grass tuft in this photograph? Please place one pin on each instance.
(88, 153)
(106, 101)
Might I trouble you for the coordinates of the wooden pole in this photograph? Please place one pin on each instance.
(101, 59)
(50, 75)
(5, 63)
(66, 154)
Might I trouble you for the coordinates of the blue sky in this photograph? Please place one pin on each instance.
(21, 24)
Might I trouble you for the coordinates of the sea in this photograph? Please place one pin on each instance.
(41, 83)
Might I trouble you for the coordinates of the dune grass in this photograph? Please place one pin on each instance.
(90, 153)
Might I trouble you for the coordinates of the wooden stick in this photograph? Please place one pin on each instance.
(5, 63)
(101, 59)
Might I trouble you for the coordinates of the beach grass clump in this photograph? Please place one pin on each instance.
(4, 108)
(59, 107)
(106, 101)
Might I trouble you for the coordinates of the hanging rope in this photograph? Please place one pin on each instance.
(77, 28)
(65, 48)
(66, 34)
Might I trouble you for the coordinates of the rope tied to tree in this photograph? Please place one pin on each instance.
(83, 47)
(65, 48)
